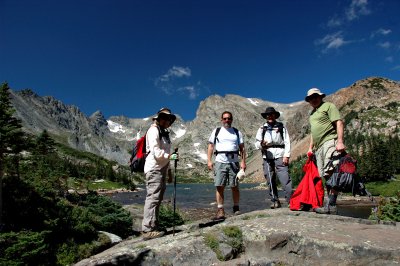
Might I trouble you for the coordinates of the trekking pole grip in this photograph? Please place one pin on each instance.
(176, 161)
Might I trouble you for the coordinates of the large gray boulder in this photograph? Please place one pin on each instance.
(269, 237)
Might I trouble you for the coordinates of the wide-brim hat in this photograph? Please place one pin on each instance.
(270, 110)
(312, 92)
(165, 113)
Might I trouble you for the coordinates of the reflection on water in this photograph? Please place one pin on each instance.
(191, 196)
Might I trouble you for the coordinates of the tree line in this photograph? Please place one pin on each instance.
(41, 222)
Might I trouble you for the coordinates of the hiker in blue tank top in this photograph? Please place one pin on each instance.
(327, 130)
(273, 141)
(229, 146)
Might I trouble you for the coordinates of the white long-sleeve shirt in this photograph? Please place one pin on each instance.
(273, 137)
(158, 149)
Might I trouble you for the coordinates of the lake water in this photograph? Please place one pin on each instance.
(193, 196)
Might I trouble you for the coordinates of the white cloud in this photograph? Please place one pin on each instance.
(396, 67)
(389, 59)
(381, 31)
(356, 9)
(332, 41)
(175, 72)
(174, 81)
(384, 45)
(191, 90)
(335, 22)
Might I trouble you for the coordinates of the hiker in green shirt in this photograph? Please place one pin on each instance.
(327, 130)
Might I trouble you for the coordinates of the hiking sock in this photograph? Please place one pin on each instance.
(332, 199)
(220, 206)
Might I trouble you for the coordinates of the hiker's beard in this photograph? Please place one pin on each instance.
(227, 125)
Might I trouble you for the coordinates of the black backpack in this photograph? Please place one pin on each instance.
(345, 178)
(279, 125)
(216, 139)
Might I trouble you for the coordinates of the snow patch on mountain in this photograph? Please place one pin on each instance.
(115, 127)
(202, 155)
(253, 102)
(180, 132)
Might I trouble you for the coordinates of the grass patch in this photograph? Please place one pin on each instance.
(384, 188)
(212, 242)
(235, 237)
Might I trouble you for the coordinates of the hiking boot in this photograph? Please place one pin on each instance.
(327, 209)
(152, 234)
(276, 205)
(220, 214)
(236, 210)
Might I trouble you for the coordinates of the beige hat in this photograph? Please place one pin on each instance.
(312, 92)
(165, 112)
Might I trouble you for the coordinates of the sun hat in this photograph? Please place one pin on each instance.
(312, 92)
(270, 110)
(165, 112)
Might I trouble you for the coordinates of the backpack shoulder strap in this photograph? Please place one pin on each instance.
(280, 128)
(237, 134)
(216, 134)
(264, 129)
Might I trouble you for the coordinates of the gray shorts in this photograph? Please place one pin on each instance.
(324, 154)
(225, 174)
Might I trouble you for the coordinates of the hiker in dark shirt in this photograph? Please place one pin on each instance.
(273, 140)
(327, 131)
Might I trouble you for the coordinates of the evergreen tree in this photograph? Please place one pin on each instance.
(45, 145)
(11, 137)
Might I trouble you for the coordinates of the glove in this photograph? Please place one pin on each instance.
(240, 175)
(174, 157)
(309, 154)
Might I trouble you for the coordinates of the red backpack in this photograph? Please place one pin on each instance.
(138, 158)
(139, 154)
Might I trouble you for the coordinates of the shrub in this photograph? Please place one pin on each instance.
(24, 248)
(389, 209)
(167, 218)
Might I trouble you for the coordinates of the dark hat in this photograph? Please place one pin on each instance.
(270, 110)
(165, 112)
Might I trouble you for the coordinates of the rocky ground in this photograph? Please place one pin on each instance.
(193, 215)
(267, 237)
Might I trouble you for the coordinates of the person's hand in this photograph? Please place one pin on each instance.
(310, 153)
(285, 160)
(210, 165)
(243, 165)
(170, 178)
(340, 147)
(174, 157)
(264, 143)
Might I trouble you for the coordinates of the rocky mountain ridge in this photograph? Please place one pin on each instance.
(369, 106)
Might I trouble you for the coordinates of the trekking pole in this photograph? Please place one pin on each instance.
(175, 164)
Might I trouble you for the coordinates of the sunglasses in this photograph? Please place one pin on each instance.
(226, 118)
(313, 96)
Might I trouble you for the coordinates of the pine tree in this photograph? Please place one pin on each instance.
(11, 136)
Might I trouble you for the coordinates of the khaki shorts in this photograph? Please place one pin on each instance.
(225, 174)
(324, 154)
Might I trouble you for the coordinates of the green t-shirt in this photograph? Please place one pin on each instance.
(321, 120)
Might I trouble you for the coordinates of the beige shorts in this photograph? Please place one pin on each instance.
(324, 154)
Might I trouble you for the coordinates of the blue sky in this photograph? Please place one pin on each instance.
(133, 57)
